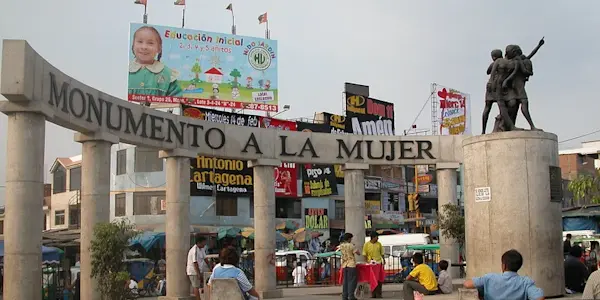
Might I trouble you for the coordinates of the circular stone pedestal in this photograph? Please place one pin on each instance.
(519, 213)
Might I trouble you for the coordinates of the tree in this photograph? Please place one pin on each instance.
(196, 69)
(108, 247)
(452, 223)
(235, 74)
(586, 187)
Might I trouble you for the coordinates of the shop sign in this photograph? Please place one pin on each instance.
(425, 178)
(368, 222)
(372, 183)
(316, 218)
(318, 180)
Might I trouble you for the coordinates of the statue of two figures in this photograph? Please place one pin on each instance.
(506, 87)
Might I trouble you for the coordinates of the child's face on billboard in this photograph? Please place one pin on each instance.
(146, 46)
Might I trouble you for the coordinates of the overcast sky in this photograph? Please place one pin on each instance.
(398, 48)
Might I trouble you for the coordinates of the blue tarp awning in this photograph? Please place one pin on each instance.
(49, 254)
(148, 239)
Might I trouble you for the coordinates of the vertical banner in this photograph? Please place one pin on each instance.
(317, 180)
(286, 175)
(337, 125)
(454, 113)
(226, 176)
(368, 116)
(186, 66)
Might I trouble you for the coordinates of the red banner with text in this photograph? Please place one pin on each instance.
(286, 175)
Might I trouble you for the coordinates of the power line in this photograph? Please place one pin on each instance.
(580, 136)
(420, 112)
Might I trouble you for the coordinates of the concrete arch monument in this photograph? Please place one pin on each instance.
(37, 91)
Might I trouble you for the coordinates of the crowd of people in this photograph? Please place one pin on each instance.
(581, 271)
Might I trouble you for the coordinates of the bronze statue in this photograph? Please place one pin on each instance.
(506, 87)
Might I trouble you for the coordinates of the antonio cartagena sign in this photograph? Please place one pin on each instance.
(216, 175)
(71, 104)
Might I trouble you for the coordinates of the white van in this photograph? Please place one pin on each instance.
(394, 247)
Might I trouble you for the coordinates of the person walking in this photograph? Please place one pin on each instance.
(349, 272)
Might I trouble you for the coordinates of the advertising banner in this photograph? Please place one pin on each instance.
(316, 218)
(225, 176)
(179, 65)
(454, 112)
(368, 116)
(337, 125)
(318, 180)
(286, 175)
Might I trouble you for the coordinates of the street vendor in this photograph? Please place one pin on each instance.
(373, 253)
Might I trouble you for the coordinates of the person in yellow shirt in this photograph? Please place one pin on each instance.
(420, 279)
(373, 252)
(350, 274)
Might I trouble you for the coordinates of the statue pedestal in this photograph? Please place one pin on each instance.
(518, 212)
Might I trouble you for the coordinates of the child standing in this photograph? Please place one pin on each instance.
(299, 275)
(147, 75)
(444, 279)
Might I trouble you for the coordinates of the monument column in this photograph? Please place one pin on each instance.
(264, 227)
(354, 202)
(24, 206)
(95, 200)
(178, 222)
(446, 183)
(509, 205)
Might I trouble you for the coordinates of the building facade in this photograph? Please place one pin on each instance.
(64, 208)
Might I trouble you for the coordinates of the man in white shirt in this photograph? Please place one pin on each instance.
(196, 262)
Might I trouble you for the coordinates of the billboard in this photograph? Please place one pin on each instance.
(178, 65)
(368, 116)
(337, 125)
(317, 180)
(223, 176)
(286, 175)
(454, 112)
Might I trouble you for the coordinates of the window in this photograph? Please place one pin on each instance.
(59, 180)
(340, 210)
(75, 179)
(74, 214)
(148, 203)
(121, 162)
(59, 217)
(120, 205)
(288, 208)
(147, 160)
(226, 206)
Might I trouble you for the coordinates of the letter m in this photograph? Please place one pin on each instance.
(55, 97)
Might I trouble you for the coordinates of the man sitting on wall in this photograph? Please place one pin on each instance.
(509, 284)
(420, 279)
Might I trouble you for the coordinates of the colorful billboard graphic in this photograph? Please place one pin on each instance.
(223, 176)
(286, 176)
(178, 65)
(368, 116)
(454, 112)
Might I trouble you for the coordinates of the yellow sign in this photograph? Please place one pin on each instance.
(356, 104)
